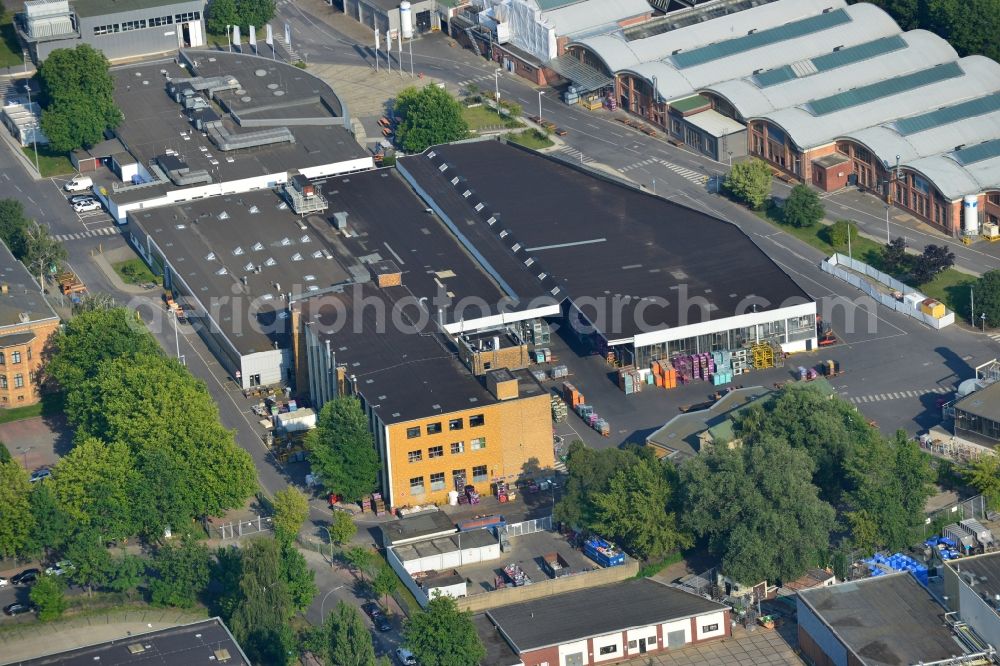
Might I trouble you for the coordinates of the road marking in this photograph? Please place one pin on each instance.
(104, 231)
(899, 395)
(682, 171)
(995, 337)
(575, 154)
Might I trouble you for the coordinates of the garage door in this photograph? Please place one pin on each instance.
(575, 659)
(675, 639)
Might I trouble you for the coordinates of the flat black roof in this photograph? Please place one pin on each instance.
(415, 526)
(986, 569)
(886, 620)
(387, 221)
(23, 301)
(205, 642)
(557, 226)
(217, 245)
(984, 403)
(596, 611)
(155, 124)
(498, 651)
(394, 355)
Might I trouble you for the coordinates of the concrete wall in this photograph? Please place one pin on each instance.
(817, 641)
(545, 588)
(978, 614)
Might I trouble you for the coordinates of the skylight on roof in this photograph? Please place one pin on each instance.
(238, 251)
(270, 261)
(258, 246)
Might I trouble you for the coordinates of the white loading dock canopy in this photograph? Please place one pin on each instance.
(449, 552)
(714, 123)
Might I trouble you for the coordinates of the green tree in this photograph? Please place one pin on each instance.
(42, 252)
(348, 640)
(892, 481)
(129, 572)
(13, 222)
(803, 207)
(983, 474)
(750, 182)
(94, 485)
(895, 259)
(291, 508)
(93, 566)
(838, 232)
(966, 24)
(254, 12)
(150, 401)
(260, 619)
(342, 528)
(635, 511)
(429, 116)
(48, 596)
(342, 451)
(589, 473)
(181, 573)
(933, 260)
(442, 635)
(219, 15)
(4, 453)
(94, 337)
(299, 578)
(51, 525)
(385, 583)
(757, 509)
(986, 291)
(361, 559)
(16, 519)
(78, 91)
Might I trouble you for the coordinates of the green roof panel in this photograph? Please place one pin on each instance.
(773, 77)
(881, 89)
(853, 54)
(949, 114)
(690, 103)
(756, 40)
(546, 5)
(982, 151)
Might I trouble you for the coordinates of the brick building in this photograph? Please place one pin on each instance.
(26, 323)
(608, 624)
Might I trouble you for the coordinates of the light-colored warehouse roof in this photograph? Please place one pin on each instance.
(955, 179)
(941, 130)
(714, 123)
(588, 15)
(619, 53)
(751, 99)
(688, 72)
(823, 120)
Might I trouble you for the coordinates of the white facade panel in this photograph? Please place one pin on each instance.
(568, 649)
(451, 560)
(643, 633)
(608, 648)
(724, 324)
(710, 626)
(680, 625)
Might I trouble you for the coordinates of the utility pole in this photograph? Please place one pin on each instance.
(972, 305)
(496, 81)
(34, 128)
(540, 93)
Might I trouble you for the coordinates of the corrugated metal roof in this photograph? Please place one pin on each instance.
(876, 91)
(546, 5)
(983, 151)
(756, 40)
(948, 114)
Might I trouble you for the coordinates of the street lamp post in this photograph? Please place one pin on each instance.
(34, 128)
(23, 450)
(982, 317)
(229, 37)
(654, 186)
(330, 537)
(496, 81)
(540, 93)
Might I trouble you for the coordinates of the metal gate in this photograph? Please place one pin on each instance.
(528, 527)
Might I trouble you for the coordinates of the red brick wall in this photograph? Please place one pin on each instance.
(832, 178)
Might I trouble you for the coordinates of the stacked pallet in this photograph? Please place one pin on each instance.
(740, 361)
(723, 368)
(542, 355)
(629, 380)
(663, 375)
(378, 504)
(571, 395)
(559, 410)
(559, 372)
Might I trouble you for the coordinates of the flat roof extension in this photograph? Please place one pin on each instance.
(984, 403)
(23, 301)
(595, 611)
(208, 641)
(886, 620)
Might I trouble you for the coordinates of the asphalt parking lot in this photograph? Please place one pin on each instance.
(37, 442)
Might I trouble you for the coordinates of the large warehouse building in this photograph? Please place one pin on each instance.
(828, 93)
(121, 29)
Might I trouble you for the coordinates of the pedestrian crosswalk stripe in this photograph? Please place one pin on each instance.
(575, 154)
(994, 336)
(103, 231)
(897, 395)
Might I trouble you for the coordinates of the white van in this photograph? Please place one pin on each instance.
(78, 183)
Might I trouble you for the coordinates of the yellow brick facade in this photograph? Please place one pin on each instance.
(20, 362)
(518, 438)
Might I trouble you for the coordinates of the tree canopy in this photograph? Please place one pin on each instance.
(349, 643)
(803, 207)
(750, 182)
(264, 605)
(78, 95)
(291, 508)
(757, 509)
(443, 635)
(48, 596)
(181, 572)
(16, 518)
(589, 473)
(429, 116)
(244, 13)
(984, 475)
(986, 291)
(342, 451)
(966, 24)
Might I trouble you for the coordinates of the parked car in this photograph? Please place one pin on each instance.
(59, 568)
(16, 608)
(78, 183)
(26, 577)
(40, 474)
(378, 618)
(84, 206)
(81, 198)
(405, 657)
(4, 582)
